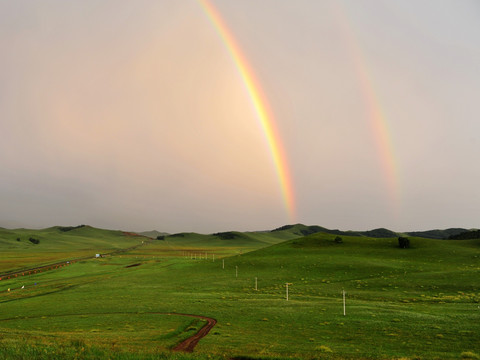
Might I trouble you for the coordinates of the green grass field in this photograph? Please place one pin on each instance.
(417, 303)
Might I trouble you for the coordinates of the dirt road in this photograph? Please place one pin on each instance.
(189, 344)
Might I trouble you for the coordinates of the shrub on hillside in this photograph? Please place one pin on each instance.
(338, 240)
(161, 237)
(34, 241)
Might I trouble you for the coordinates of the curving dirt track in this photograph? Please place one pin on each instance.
(186, 345)
(189, 344)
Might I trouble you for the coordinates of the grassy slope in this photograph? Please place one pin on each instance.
(421, 301)
(400, 303)
(56, 245)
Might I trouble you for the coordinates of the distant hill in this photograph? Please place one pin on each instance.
(305, 230)
(291, 231)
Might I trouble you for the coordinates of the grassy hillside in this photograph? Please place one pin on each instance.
(421, 301)
(412, 303)
(56, 244)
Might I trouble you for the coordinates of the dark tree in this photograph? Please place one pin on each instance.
(161, 237)
(338, 240)
(403, 242)
(34, 241)
(18, 239)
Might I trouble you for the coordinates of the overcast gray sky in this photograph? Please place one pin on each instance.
(133, 115)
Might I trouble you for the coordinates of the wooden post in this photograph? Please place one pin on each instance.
(223, 263)
(213, 258)
(236, 271)
(256, 288)
(344, 313)
(286, 284)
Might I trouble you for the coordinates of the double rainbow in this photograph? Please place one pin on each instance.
(260, 104)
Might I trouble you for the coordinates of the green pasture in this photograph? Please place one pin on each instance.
(417, 303)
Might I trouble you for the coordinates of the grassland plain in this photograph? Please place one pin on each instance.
(421, 302)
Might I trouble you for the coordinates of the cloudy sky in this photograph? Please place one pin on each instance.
(134, 115)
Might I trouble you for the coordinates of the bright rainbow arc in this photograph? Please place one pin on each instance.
(260, 104)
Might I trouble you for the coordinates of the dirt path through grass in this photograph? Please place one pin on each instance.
(186, 345)
(189, 344)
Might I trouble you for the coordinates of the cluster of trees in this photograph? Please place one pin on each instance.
(69, 228)
(467, 235)
(228, 235)
(178, 235)
(34, 241)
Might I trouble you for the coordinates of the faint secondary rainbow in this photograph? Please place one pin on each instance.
(260, 104)
(378, 119)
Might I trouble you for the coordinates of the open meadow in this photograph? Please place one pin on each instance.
(416, 303)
